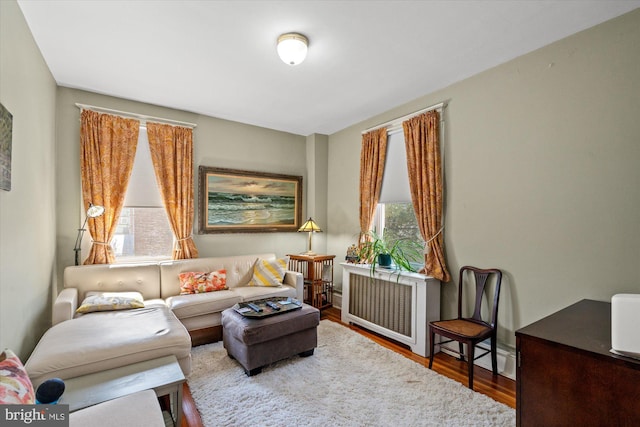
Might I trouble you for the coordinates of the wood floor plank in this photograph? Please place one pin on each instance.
(499, 388)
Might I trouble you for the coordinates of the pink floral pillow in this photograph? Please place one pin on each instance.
(199, 282)
(15, 385)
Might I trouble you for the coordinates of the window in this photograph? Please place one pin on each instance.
(398, 221)
(395, 218)
(143, 230)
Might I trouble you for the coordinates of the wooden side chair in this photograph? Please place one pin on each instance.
(471, 330)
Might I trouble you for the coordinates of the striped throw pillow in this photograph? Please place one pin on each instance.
(269, 273)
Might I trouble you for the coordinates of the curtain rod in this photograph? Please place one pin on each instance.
(143, 119)
(398, 121)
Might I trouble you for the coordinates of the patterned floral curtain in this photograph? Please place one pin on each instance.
(172, 155)
(372, 158)
(107, 149)
(422, 141)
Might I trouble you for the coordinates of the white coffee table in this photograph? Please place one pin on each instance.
(163, 375)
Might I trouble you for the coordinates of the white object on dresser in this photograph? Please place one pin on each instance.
(625, 318)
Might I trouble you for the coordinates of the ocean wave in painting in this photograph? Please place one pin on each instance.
(242, 209)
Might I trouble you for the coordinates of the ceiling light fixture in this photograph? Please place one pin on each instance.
(292, 48)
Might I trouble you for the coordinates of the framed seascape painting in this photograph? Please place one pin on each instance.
(6, 127)
(236, 201)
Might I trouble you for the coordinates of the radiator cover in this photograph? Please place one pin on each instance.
(398, 306)
(385, 303)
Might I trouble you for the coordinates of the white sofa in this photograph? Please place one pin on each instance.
(169, 323)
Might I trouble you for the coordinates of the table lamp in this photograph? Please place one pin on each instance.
(310, 227)
(94, 211)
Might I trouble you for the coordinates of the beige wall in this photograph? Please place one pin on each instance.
(217, 142)
(542, 166)
(316, 196)
(27, 212)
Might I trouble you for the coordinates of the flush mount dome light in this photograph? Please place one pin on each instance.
(292, 48)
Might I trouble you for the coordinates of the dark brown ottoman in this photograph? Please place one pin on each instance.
(258, 342)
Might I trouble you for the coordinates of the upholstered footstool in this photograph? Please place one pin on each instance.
(255, 343)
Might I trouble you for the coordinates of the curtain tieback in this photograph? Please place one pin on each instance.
(100, 243)
(427, 248)
(176, 246)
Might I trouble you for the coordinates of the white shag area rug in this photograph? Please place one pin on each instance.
(349, 381)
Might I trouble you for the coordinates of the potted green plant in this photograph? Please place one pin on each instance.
(377, 250)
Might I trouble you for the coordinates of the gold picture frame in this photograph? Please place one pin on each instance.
(238, 201)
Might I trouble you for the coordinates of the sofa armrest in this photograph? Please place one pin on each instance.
(65, 305)
(295, 280)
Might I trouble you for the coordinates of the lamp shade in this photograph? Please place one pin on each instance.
(292, 48)
(310, 226)
(94, 211)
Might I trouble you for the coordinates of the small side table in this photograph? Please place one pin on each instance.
(317, 271)
(163, 375)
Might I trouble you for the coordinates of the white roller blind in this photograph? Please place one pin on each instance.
(143, 191)
(395, 181)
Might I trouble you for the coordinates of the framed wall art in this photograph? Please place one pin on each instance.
(6, 130)
(236, 201)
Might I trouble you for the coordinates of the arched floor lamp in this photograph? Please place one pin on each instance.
(94, 211)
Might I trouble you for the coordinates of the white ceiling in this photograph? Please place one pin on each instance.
(218, 58)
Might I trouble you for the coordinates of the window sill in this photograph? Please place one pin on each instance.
(141, 259)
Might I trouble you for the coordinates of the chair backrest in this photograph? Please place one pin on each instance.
(481, 277)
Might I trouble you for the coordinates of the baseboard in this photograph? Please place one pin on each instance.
(506, 359)
(337, 300)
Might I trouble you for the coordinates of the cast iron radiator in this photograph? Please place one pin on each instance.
(385, 303)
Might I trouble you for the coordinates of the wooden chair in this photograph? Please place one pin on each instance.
(472, 330)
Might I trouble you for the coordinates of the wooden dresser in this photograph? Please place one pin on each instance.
(566, 375)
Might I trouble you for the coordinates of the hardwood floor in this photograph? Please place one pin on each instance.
(501, 389)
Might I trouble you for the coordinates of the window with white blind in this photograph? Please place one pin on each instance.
(143, 231)
(395, 218)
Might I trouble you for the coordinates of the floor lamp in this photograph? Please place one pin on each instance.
(94, 211)
(311, 227)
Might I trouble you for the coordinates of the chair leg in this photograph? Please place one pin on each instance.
(494, 356)
(470, 355)
(431, 346)
(461, 352)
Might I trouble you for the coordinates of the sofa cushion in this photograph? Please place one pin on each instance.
(249, 293)
(239, 270)
(109, 301)
(98, 341)
(199, 282)
(143, 278)
(269, 272)
(15, 385)
(185, 306)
